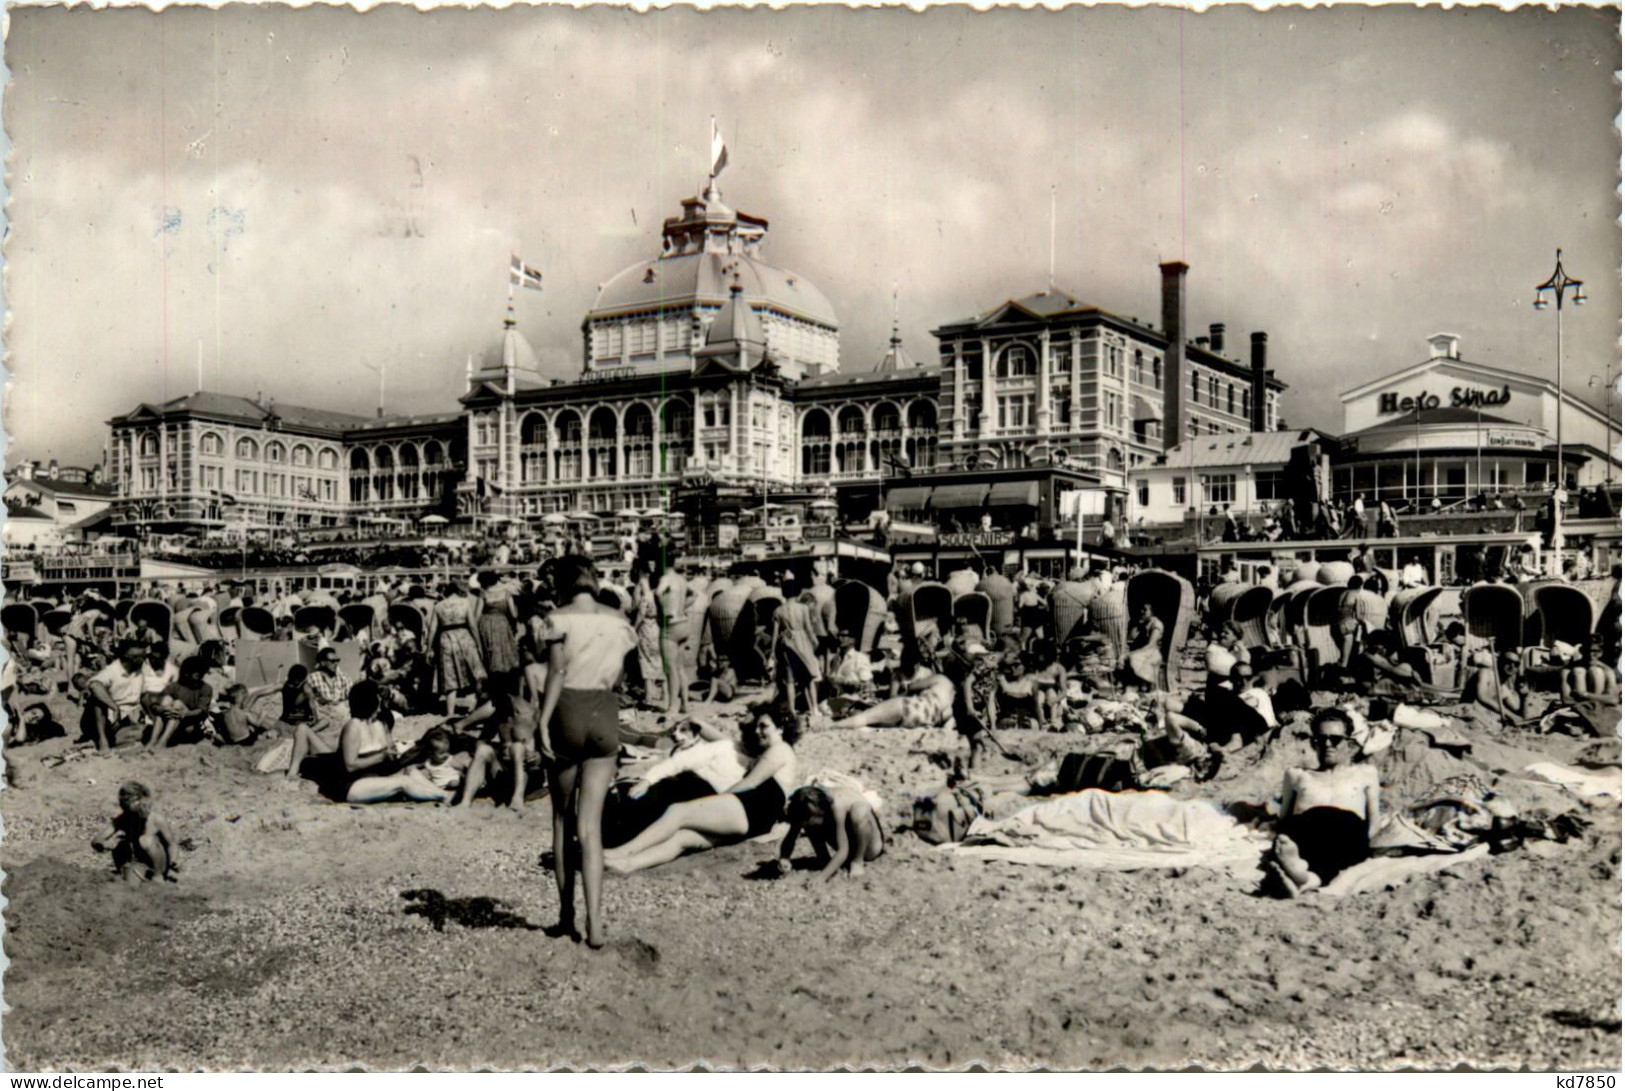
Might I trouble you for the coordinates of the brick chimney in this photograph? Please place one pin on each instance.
(1173, 363)
(1215, 337)
(1261, 341)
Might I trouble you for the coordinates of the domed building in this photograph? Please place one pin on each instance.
(653, 316)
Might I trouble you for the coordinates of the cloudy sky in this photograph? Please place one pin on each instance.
(310, 194)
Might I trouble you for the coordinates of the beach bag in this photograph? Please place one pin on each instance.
(276, 759)
(944, 818)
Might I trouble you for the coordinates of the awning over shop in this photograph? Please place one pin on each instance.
(1013, 494)
(913, 498)
(1146, 410)
(958, 496)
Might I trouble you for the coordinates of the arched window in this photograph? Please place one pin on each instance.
(567, 446)
(211, 444)
(850, 421)
(383, 461)
(149, 445)
(248, 449)
(275, 452)
(360, 476)
(676, 435)
(301, 455)
(601, 443)
(815, 450)
(406, 481)
(434, 464)
(328, 459)
(639, 429)
(1016, 362)
(887, 418)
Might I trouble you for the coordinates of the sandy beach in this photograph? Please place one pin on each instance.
(306, 934)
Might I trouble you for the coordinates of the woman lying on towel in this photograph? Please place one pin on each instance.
(1328, 814)
(926, 699)
(748, 809)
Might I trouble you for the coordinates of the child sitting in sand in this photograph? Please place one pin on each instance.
(239, 725)
(1328, 814)
(842, 825)
(142, 844)
(438, 766)
(724, 683)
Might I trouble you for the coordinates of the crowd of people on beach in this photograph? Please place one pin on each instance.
(535, 676)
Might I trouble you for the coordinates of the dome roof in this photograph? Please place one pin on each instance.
(683, 280)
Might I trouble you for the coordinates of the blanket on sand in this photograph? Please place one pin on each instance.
(1387, 872)
(1118, 831)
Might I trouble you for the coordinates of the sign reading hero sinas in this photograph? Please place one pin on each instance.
(1461, 397)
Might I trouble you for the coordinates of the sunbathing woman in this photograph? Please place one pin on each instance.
(926, 699)
(1329, 814)
(1378, 669)
(841, 824)
(748, 809)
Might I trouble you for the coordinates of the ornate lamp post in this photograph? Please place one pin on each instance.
(1556, 288)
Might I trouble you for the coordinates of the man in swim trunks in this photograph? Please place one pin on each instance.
(1329, 814)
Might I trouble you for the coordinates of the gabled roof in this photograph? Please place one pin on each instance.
(230, 407)
(1038, 306)
(1241, 448)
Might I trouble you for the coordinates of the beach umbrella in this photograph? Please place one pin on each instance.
(434, 520)
(556, 518)
(655, 513)
(825, 504)
(629, 513)
(583, 515)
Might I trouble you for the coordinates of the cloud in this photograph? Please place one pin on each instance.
(348, 187)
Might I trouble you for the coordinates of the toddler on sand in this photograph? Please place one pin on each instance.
(142, 844)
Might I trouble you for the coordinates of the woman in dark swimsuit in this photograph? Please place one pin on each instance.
(749, 809)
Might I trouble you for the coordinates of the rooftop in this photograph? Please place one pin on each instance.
(1445, 414)
(1242, 448)
(208, 403)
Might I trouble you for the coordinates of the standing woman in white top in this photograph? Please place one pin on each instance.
(587, 645)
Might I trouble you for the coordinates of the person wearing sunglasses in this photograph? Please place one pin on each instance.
(1329, 814)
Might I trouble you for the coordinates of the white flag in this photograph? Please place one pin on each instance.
(521, 275)
(719, 150)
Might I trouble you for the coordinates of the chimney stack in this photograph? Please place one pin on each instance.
(1173, 363)
(1215, 337)
(53, 470)
(1261, 341)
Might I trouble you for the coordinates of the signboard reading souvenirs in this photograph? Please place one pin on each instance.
(1461, 397)
(977, 538)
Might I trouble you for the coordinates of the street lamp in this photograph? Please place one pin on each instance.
(1607, 385)
(1556, 288)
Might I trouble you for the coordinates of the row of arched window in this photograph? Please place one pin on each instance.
(248, 449)
(386, 473)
